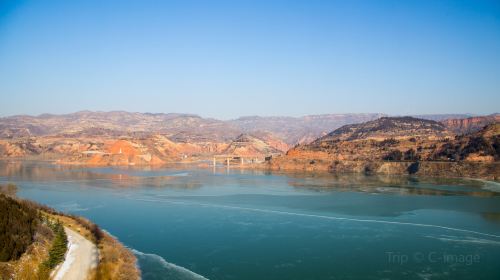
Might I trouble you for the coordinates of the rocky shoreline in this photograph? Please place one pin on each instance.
(476, 170)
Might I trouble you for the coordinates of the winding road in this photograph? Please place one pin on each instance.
(81, 257)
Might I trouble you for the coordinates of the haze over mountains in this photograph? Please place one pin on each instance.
(182, 127)
(178, 127)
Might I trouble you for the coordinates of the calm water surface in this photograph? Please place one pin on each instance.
(190, 223)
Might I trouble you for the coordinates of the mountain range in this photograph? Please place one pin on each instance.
(182, 127)
(124, 138)
(177, 127)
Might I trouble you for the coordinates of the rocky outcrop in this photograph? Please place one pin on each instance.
(249, 145)
(399, 146)
(482, 146)
(150, 150)
(470, 125)
(484, 170)
(388, 127)
(153, 150)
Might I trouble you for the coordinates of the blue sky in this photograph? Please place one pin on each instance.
(226, 59)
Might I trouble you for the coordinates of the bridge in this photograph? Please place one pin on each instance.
(242, 159)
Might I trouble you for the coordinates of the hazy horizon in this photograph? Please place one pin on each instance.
(227, 59)
(247, 116)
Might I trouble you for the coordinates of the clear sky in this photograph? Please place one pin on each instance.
(226, 59)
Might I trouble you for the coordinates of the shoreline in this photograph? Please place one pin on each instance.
(324, 167)
(110, 258)
(90, 252)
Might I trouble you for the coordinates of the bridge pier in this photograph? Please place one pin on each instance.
(242, 159)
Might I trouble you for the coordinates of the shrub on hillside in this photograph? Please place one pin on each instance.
(18, 223)
(388, 142)
(411, 155)
(477, 145)
(393, 155)
(59, 245)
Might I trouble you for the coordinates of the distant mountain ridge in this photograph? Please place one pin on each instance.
(178, 127)
(304, 129)
(116, 121)
(441, 117)
(181, 127)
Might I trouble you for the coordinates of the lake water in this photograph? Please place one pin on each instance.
(192, 223)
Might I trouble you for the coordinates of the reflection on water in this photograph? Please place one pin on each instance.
(190, 223)
(175, 175)
(121, 177)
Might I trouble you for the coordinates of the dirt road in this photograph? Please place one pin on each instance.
(80, 258)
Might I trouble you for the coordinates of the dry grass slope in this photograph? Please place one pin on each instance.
(115, 261)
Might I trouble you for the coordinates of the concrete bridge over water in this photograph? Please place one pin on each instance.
(226, 159)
